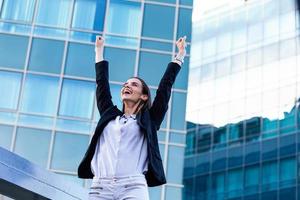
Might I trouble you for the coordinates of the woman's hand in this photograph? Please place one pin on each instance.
(99, 43)
(181, 45)
(99, 46)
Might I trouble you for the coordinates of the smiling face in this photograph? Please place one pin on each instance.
(132, 90)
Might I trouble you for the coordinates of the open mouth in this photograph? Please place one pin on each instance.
(127, 91)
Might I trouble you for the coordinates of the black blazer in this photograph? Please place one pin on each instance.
(149, 121)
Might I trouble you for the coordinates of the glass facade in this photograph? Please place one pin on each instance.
(243, 103)
(47, 76)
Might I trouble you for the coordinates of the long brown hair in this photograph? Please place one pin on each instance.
(143, 105)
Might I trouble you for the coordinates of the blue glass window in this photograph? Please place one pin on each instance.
(202, 163)
(202, 186)
(120, 69)
(235, 183)
(288, 172)
(219, 160)
(184, 23)
(165, 1)
(116, 95)
(173, 193)
(251, 180)
(152, 67)
(68, 150)
(9, 89)
(177, 138)
(154, 192)
(5, 136)
(36, 121)
(235, 156)
(175, 170)
(77, 98)
(80, 60)
(21, 10)
(269, 176)
(121, 41)
(89, 14)
(186, 2)
(269, 149)
(10, 56)
(33, 144)
(165, 28)
(126, 12)
(218, 185)
(178, 112)
(182, 77)
(161, 46)
(40, 94)
(252, 153)
(54, 13)
(46, 55)
(287, 145)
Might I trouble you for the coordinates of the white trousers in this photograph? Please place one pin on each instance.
(119, 188)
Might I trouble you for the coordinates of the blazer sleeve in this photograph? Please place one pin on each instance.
(160, 104)
(103, 95)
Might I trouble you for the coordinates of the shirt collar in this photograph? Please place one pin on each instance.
(133, 116)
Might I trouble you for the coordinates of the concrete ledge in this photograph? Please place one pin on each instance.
(21, 179)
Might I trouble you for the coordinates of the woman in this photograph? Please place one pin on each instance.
(123, 156)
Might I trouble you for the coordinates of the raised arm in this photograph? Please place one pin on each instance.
(103, 94)
(163, 93)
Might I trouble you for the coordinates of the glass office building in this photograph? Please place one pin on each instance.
(47, 76)
(243, 134)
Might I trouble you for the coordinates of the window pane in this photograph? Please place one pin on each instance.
(152, 67)
(178, 112)
(269, 176)
(68, 151)
(251, 180)
(121, 41)
(173, 193)
(154, 192)
(80, 60)
(288, 169)
(18, 10)
(36, 121)
(6, 136)
(125, 65)
(235, 183)
(115, 93)
(184, 23)
(175, 170)
(177, 138)
(54, 12)
(38, 92)
(9, 89)
(10, 56)
(46, 55)
(89, 14)
(77, 98)
(33, 144)
(126, 12)
(165, 28)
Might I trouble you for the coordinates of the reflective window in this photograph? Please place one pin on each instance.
(235, 156)
(254, 57)
(224, 42)
(89, 14)
(54, 12)
(252, 153)
(182, 77)
(68, 151)
(6, 136)
(46, 55)
(219, 160)
(36, 121)
(121, 41)
(10, 56)
(38, 92)
(178, 112)
(33, 144)
(80, 60)
(271, 27)
(218, 185)
(238, 62)
(269, 149)
(177, 138)
(116, 97)
(223, 67)
(126, 65)
(9, 89)
(209, 47)
(126, 12)
(288, 22)
(271, 53)
(251, 180)
(186, 2)
(154, 192)
(269, 176)
(173, 193)
(207, 71)
(202, 185)
(175, 170)
(152, 66)
(287, 145)
(184, 23)
(288, 48)
(288, 172)
(235, 183)
(21, 10)
(165, 28)
(77, 98)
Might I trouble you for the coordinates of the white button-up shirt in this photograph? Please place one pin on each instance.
(121, 149)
